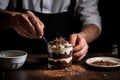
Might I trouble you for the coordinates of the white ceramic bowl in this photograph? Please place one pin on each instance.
(12, 59)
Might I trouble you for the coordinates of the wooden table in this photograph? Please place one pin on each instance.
(35, 68)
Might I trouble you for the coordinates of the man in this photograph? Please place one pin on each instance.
(34, 19)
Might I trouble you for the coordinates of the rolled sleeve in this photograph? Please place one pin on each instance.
(89, 13)
(4, 4)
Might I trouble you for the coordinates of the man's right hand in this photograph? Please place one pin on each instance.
(28, 25)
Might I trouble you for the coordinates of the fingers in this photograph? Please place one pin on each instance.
(38, 25)
(29, 25)
(73, 39)
(78, 41)
(26, 25)
(41, 29)
(23, 33)
(20, 26)
(80, 46)
(81, 53)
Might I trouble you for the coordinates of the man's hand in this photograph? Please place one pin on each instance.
(28, 25)
(80, 46)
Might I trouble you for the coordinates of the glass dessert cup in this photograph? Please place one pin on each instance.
(59, 54)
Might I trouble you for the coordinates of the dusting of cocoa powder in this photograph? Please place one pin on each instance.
(73, 70)
(58, 41)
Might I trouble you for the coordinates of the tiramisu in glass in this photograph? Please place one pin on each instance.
(60, 54)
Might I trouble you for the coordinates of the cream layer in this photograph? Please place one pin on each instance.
(60, 49)
(67, 60)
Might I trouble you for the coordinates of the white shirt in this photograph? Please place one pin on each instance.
(88, 8)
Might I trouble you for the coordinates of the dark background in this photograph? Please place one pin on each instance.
(109, 12)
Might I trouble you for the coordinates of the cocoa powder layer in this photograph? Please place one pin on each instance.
(60, 65)
(58, 56)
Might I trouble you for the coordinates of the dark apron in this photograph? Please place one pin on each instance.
(56, 25)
